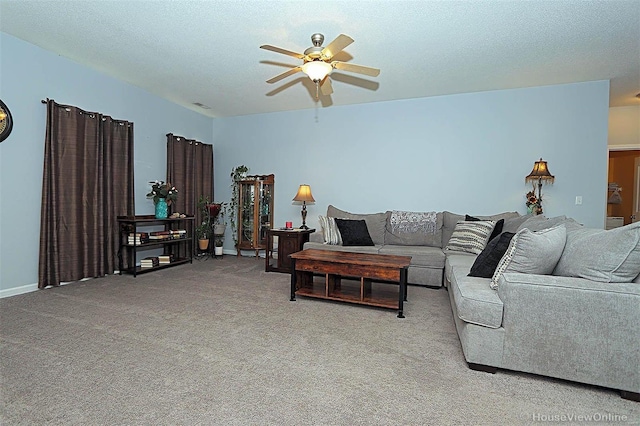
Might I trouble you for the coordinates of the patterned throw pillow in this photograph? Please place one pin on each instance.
(470, 237)
(330, 230)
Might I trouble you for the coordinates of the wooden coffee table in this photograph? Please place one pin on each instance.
(389, 273)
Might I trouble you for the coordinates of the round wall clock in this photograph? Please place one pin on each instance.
(6, 122)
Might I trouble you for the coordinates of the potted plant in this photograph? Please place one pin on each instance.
(163, 194)
(218, 243)
(220, 224)
(203, 233)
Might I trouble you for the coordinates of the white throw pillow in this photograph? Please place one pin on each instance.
(471, 237)
(330, 231)
(532, 252)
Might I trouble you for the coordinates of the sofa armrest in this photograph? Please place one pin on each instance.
(572, 328)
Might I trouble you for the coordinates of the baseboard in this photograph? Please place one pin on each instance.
(29, 288)
(18, 290)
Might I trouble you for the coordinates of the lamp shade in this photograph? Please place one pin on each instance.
(540, 172)
(304, 194)
(317, 70)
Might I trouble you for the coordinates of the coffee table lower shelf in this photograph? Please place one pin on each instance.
(354, 291)
(364, 279)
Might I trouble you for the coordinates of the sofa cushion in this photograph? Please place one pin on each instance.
(449, 221)
(329, 247)
(330, 232)
(432, 257)
(414, 231)
(532, 252)
(475, 301)
(599, 255)
(354, 232)
(512, 224)
(470, 237)
(376, 222)
(487, 261)
(539, 222)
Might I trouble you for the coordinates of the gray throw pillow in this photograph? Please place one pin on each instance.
(532, 252)
(512, 224)
(599, 255)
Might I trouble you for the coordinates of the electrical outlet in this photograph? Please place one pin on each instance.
(578, 200)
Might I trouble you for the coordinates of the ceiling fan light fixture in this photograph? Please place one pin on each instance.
(317, 70)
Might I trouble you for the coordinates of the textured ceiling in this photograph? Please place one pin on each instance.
(208, 51)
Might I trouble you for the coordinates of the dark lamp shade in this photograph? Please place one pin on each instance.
(540, 172)
(304, 194)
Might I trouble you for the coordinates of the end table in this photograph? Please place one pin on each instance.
(289, 241)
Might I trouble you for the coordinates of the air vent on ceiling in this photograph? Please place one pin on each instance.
(203, 106)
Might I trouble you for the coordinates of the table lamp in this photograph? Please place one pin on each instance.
(304, 195)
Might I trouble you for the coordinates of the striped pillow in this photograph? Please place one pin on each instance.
(330, 230)
(470, 237)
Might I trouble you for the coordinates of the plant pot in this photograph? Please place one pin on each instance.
(161, 209)
(203, 244)
(219, 229)
(217, 251)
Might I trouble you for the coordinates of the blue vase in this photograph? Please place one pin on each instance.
(161, 208)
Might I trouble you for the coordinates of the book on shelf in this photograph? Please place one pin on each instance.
(165, 259)
(137, 238)
(149, 262)
(169, 232)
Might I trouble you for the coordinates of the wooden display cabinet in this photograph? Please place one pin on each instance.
(255, 212)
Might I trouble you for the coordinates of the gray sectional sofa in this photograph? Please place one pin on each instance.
(583, 327)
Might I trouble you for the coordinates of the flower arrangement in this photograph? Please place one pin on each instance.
(160, 189)
(534, 205)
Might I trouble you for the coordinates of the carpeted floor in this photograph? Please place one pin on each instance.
(219, 343)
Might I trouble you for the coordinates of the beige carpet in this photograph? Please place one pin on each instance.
(219, 343)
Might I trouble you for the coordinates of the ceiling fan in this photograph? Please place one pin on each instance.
(317, 63)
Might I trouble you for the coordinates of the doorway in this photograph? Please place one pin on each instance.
(624, 173)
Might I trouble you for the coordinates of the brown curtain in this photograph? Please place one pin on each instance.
(87, 183)
(190, 170)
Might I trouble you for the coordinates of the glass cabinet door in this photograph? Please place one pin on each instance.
(247, 199)
(266, 213)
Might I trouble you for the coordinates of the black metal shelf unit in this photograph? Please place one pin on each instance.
(132, 234)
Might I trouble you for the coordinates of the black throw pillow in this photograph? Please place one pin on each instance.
(354, 232)
(496, 229)
(487, 261)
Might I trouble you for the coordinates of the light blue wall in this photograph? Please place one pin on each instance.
(29, 74)
(465, 153)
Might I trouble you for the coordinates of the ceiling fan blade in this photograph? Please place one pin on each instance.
(336, 46)
(284, 75)
(326, 88)
(360, 69)
(283, 51)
